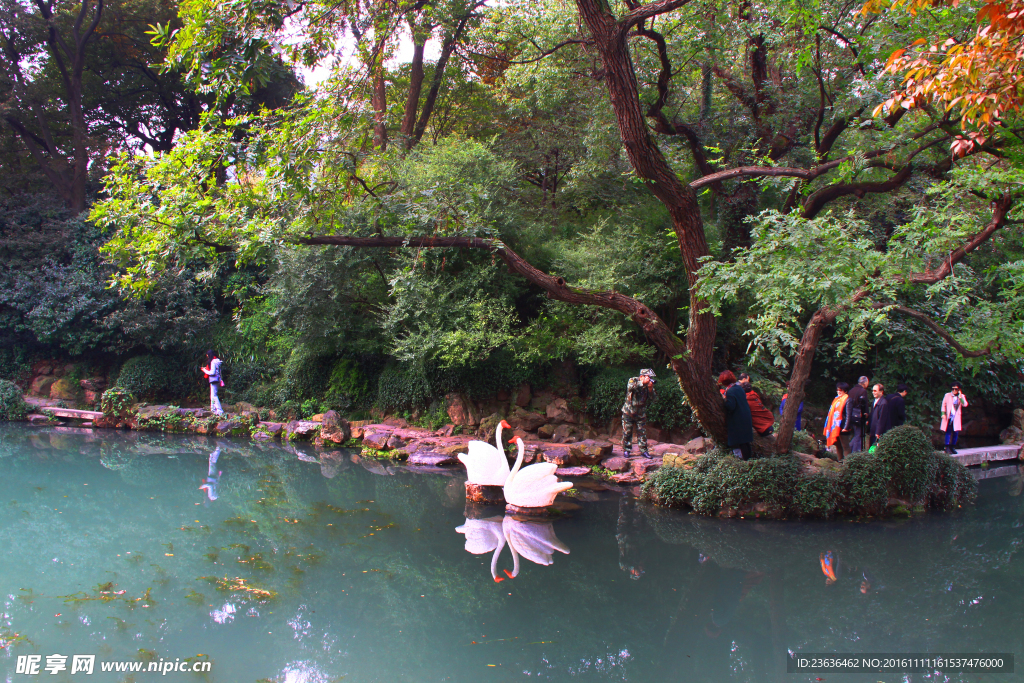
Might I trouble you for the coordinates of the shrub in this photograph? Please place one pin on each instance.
(951, 484)
(906, 454)
(817, 495)
(401, 387)
(12, 405)
(116, 401)
(863, 484)
(158, 376)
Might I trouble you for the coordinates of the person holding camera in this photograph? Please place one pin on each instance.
(639, 393)
(953, 405)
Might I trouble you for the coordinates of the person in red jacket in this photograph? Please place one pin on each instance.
(764, 419)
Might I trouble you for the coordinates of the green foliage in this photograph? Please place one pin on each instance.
(12, 405)
(817, 495)
(952, 485)
(401, 387)
(116, 401)
(906, 454)
(863, 485)
(157, 376)
(606, 392)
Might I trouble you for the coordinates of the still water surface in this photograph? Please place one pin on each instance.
(276, 566)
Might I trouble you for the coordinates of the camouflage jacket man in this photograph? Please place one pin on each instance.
(638, 397)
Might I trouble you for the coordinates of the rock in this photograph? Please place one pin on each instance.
(36, 419)
(625, 478)
(65, 389)
(487, 426)
(560, 455)
(563, 433)
(335, 428)
(356, 428)
(299, 429)
(378, 440)
(445, 431)
(1018, 419)
(655, 434)
(432, 458)
(485, 495)
(317, 418)
(684, 460)
(230, 427)
(97, 384)
(152, 412)
(1011, 435)
(540, 400)
(572, 471)
(699, 445)
(262, 436)
(399, 422)
(460, 410)
(394, 441)
(527, 512)
(526, 421)
(591, 452)
(520, 433)
(41, 385)
(502, 395)
(92, 397)
(43, 367)
(558, 410)
(244, 407)
(616, 464)
(273, 427)
(523, 395)
(546, 431)
(643, 466)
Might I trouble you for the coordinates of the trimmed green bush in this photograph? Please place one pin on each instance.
(116, 401)
(863, 485)
(906, 454)
(951, 484)
(817, 495)
(12, 405)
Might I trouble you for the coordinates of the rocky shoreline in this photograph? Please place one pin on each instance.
(391, 439)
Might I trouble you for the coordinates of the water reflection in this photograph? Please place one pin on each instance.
(535, 540)
(212, 476)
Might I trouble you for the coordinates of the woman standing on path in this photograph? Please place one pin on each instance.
(953, 404)
(212, 372)
(738, 421)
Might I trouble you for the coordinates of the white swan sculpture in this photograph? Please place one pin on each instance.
(535, 486)
(483, 536)
(536, 541)
(485, 464)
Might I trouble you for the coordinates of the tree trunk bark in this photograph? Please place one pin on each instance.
(412, 102)
(693, 365)
(821, 319)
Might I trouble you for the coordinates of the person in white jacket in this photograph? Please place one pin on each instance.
(212, 372)
(953, 405)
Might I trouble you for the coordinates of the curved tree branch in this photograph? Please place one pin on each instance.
(930, 323)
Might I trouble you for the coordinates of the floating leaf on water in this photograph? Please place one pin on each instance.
(195, 597)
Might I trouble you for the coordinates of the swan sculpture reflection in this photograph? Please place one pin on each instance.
(485, 464)
(535, 486)
(536, 541)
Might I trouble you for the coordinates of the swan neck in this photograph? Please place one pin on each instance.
(497, 438)
(519, 463)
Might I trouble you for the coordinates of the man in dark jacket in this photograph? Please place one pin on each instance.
(739, 424)
(896, 406)
(878, 423)
(857, 413)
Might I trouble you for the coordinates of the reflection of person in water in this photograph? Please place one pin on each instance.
(627, 533)
(212, 476)
(834, 570)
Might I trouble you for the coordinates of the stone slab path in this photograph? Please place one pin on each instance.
(976, 456)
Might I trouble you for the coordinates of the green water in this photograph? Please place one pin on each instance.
(354, 572)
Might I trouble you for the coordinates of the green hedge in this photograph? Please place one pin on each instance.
(12, 405)
(861, 485)
(606, 392)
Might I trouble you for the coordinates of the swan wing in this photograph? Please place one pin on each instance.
(485, 464)
(536, 541)
(482, 535)
(535, 472)
(535, 494)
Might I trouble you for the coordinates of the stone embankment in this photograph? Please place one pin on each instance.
(392, 439)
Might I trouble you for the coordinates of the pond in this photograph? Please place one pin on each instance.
(273, 564)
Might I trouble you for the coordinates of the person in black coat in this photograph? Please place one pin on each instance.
(897, 407)
(857, 413)
(878, 423)
(739, 423)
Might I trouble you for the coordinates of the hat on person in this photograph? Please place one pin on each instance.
(648, 373)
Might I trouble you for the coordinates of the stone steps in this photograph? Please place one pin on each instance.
(72, 414)
(976, 456)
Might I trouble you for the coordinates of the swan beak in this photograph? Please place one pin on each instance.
(498, 579)
(508, 573)
(505, 425)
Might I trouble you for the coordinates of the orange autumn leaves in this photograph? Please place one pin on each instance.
(981, 78)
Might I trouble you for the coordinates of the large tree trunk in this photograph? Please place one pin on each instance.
(693, 365)
(821, 319)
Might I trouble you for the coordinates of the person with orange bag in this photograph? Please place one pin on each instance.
(836, 429)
